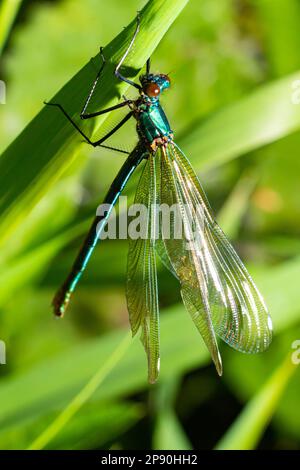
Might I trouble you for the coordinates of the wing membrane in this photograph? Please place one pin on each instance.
(142, 292)
(216, 288)
(175, 192)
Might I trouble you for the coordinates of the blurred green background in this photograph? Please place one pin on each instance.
(233, 64)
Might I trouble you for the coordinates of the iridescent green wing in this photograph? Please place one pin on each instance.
(141, 291)
(234, 304)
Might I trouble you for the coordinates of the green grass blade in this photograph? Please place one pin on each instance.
(8, 12)
(280, 292)
(246, 431)
(168, 432)
(262, 117)
(231, 214)
(95, 425)
(46, 147)
(280, 28)
(81, 398)
(21, 271)
(55, 379)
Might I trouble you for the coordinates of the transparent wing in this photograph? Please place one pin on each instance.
(176, 233)
(141, 290)
(216, 287)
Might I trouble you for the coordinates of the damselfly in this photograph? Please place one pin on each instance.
(216, 288)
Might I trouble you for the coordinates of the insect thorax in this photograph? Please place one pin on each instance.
(152, 124)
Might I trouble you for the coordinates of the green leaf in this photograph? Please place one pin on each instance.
(280, 26)
(280, 292)
(46, 147)
(57, 380)
(231, 214)
(247, 429)
(262, 117)
(168, 432)
(81, 398)
(8, 12)
(25, 268)
(95, 425)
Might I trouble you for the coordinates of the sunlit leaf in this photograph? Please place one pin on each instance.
(55, 141)
(247, 429)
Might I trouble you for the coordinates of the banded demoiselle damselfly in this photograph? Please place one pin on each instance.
(216, 288)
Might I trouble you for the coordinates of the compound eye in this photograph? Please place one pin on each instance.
(152, 90)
